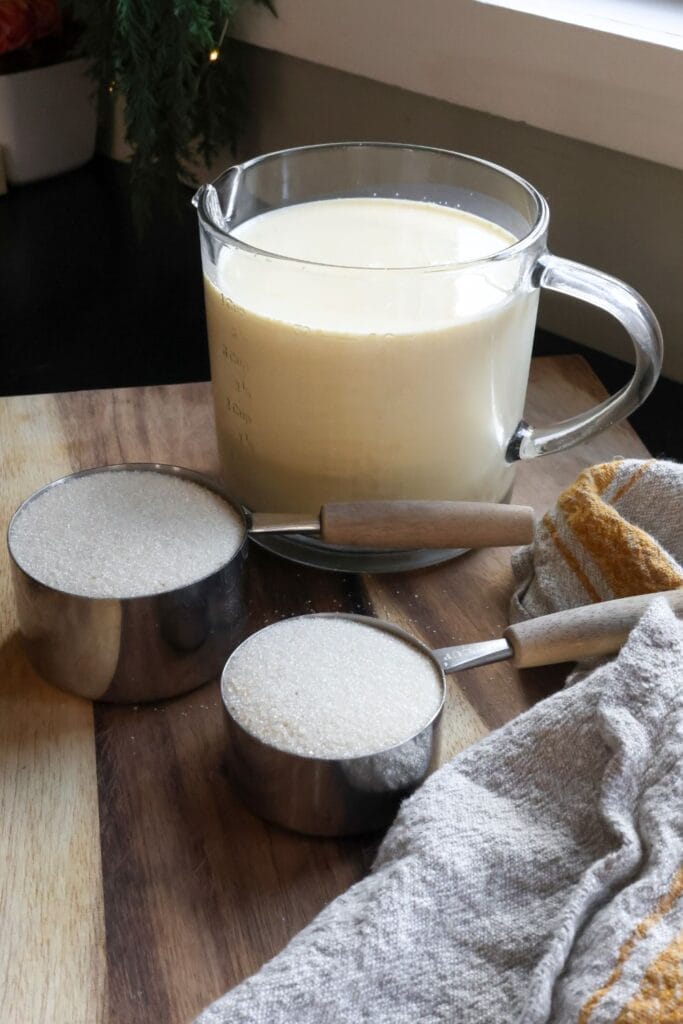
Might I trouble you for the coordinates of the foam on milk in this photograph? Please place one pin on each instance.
(362, 383)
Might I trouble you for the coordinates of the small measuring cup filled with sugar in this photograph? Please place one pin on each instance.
(333, 718)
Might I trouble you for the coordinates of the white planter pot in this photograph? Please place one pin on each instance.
(48, 118)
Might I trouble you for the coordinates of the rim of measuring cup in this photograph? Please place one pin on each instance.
(366, 620)
(167, 469)
(535, 233)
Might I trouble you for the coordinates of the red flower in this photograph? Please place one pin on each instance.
(16, 29)
(24, 21)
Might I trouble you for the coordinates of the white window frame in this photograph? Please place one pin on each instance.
(606, 81)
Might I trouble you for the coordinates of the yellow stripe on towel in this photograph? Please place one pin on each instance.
(631, 480)
(569, 558)
(629, 560)
(659, 1000)
(664, 905)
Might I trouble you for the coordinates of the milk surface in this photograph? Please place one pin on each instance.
(337, 379)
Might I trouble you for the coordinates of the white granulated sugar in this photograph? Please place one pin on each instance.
(331, 687)
(125, 534)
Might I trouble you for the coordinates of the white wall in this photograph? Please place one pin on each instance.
(589, 77)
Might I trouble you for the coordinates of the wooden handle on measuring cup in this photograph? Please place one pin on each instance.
(426, 524)
(584, 632)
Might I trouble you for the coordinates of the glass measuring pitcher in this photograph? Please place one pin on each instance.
(371, 310)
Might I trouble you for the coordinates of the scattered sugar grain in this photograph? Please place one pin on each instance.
(331, 687)
(125, 534)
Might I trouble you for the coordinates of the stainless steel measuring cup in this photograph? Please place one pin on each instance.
(352, 795)
(131, 649)
(150, 647)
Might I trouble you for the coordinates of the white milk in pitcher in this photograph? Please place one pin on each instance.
(337, 379)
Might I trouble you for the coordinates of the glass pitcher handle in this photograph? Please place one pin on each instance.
(631, 310)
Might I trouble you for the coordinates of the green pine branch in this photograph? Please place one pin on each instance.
(178, 103)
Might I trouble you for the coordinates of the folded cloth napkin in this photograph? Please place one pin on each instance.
(617, 531)
(538, 877)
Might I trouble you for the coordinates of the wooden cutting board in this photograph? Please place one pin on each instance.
(135, 887)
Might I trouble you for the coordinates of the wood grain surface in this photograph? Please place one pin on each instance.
(135, 886)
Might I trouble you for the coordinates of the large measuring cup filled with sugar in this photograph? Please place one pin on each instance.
(371, 310)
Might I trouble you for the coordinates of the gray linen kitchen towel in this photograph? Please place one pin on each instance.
(537, 877)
